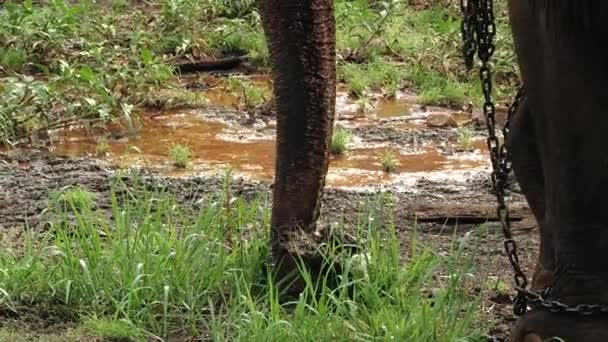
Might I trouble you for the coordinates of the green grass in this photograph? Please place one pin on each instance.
(426, 44)
(180, 155)
(19, 334)
(378, 75)
(112, 329)
(161, 270)
(389, 161)
(102, 148)
(250, 96)
(465, 138)
(339, 141)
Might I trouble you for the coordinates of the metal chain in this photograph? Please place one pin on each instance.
(479, 30)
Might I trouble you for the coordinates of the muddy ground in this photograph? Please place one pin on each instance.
(441, 190)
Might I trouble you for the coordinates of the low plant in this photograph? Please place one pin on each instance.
(180, 155)
(389, 161)
(339, 142)
(103, 147)
(112, 329)
(250, 96)
(465, 138)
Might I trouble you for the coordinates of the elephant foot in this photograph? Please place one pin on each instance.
(306, 260)
(542, 277)
(541, 326)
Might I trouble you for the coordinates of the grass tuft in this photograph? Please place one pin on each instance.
(339, 142)
(389, 161)
(112, 329)
(180, 155)
(465, 138)
(102, 148)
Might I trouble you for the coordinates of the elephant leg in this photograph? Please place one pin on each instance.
(541, 326)
(562, 59)
(528, 170)
(301, 41)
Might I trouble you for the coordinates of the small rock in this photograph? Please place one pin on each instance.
(441, 120)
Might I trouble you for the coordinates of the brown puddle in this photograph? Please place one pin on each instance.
(216, 145)
(150, 147)
(392, 108)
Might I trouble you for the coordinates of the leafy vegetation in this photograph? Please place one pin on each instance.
(63, 62)
(465, 138)
(250, 98)
(389, 161)
(102, 148)
(339, 141)
(161, 270)
(180, 155)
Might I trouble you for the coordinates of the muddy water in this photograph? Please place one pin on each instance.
(217, 90)
(214, 145)
(217, 146)
(392, 108)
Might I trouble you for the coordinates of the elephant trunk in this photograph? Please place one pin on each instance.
(301, 40)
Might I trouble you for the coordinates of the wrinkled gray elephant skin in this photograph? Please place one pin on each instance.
(301, 41)
(560, 158)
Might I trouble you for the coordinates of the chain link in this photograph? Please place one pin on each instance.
(478, 31)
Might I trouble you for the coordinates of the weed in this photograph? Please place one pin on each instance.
(465, 138)
(112, 329)
(340, 141)
(132, 149)
(355, 77)
(180, 155)
(102, 148)
(389, 161)
(502, 287)
(12, 59)
(249, 94)
(378, 75)
(78, 197)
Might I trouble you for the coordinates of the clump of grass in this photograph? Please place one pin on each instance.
(180, 155)
(159, 267)
(378, 75)
(355, 78)
(465, 138)
(389, 161)
(112, 329)
(102, 148)
(12, 59)
(78, 196)
(501, 287)
(249, 94)
(339, 141)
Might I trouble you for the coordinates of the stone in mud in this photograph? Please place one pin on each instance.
(441, 120)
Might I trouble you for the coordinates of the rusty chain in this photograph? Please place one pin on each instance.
(478, 32)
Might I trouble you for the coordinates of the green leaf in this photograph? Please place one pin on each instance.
(146, 56)
(86, 73)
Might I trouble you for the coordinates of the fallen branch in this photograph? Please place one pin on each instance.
(218, 64)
